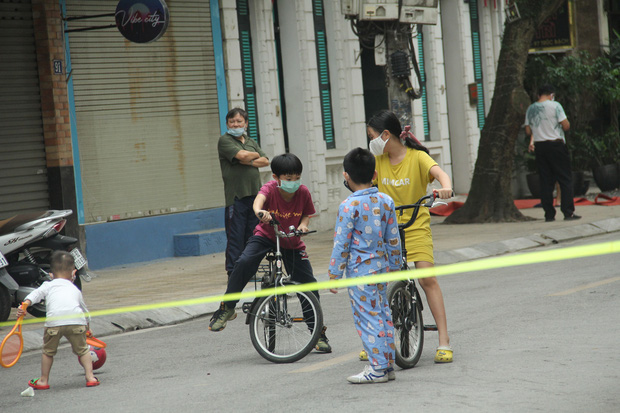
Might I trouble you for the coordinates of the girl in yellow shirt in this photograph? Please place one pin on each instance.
(404, 169)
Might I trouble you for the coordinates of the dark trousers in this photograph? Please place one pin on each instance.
(553, 162)
(239, 222)
(296, 263)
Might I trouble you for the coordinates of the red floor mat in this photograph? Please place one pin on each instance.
(601, 199)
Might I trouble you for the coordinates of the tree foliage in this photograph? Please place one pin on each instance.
(589, 89)
(490, 197)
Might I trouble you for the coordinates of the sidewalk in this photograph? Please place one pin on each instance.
(192, 277)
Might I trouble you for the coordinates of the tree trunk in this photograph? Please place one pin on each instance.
(490, 196)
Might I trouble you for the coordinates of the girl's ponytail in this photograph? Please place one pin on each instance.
(408, 139)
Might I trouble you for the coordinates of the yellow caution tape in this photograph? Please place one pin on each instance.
(612, 247)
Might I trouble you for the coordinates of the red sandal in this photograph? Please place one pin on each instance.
(93, 383)
(33, 383)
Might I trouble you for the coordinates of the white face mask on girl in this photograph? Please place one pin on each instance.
(377, 145)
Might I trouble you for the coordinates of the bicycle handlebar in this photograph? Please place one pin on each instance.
(416, 209)
(293, 232)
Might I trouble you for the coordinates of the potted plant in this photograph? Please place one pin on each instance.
(525, 162)
(605, 148)
(604, 151)
(580, 161)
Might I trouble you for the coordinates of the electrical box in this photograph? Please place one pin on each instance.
(419, 11)
(350, 7)
(378, 10)
(421, 3)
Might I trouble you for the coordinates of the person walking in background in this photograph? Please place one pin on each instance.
(545, 124)
(404, 170)
(240, 158)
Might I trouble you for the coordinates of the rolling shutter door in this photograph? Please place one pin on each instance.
(23, 172)
(147, 114)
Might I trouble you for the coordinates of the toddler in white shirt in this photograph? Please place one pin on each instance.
(66, 311)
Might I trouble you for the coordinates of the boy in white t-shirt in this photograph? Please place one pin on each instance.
(62, 301)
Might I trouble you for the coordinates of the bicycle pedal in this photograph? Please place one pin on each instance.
(246, 307)
(430, 327)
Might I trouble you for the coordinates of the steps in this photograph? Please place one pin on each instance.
(197, 243)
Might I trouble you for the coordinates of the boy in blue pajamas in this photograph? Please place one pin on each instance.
(366, 242)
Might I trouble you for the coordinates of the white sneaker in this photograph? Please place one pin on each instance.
(369, 376)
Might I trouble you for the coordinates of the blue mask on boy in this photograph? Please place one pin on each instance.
(290, 186)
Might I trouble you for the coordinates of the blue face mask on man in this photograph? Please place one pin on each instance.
(290, 186)
(236, 132)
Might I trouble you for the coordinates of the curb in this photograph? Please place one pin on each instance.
(553, 236)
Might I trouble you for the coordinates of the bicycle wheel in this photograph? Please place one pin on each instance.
(408, 325)
(285, 328)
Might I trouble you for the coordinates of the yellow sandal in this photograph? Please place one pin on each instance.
(444, 354)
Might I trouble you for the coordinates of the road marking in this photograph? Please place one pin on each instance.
(327, 363)
(585, 287)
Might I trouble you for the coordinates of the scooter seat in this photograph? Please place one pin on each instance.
(8, 225)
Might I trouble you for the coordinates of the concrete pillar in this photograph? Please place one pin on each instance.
(49, 42)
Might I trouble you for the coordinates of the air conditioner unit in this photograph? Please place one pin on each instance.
(419, 11)
(350, 7)
(378, 10)
(418, 15)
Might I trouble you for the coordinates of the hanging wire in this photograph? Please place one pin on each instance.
(367, 30)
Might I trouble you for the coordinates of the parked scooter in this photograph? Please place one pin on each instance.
(26, 244)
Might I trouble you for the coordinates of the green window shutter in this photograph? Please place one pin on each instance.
(427, 127)
(475, 40)
(323, 72)
(247, 67)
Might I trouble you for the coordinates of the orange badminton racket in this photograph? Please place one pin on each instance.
(13, 344)
(95, 342)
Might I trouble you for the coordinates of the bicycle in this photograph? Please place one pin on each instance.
(405, 303)
(284, 328)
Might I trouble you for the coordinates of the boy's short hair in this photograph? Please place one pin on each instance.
(61, 262)
(546, 89)
(359, 163)
(286, 164)
(237, 111)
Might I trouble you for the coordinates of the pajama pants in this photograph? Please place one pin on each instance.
(373, 321)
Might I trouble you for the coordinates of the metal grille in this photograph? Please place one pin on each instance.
(23, 172)
(147, 114)
(323, 72)
(475, 40)
(427, 127)
(247, 68)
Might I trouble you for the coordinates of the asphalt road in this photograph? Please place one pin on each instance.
(526, 339)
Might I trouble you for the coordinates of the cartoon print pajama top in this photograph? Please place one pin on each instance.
(366, 242)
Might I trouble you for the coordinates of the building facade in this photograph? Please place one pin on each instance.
(125, 134)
